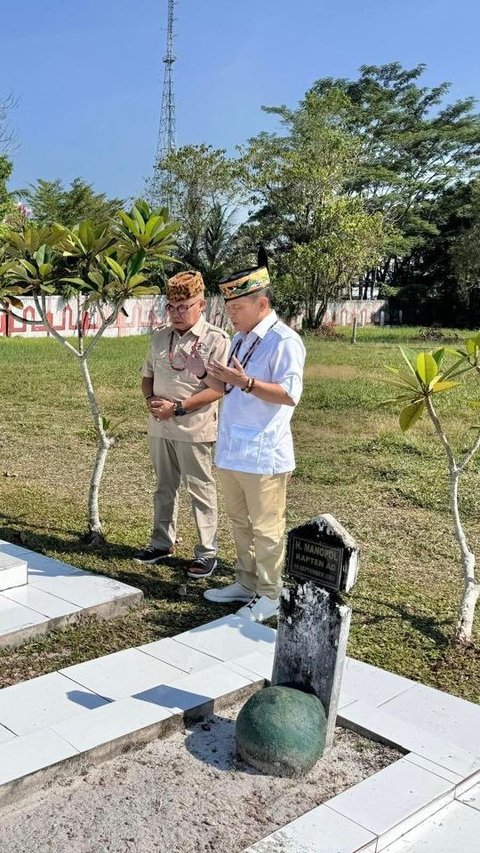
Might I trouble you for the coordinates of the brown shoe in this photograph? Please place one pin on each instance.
(202, 567)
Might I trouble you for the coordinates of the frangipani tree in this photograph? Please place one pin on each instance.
(425, 377)
(104, 265)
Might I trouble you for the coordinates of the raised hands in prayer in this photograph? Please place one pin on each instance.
(231, 374)
(194, 362)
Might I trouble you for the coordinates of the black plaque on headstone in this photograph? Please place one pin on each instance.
(323, 552)
(312, 561)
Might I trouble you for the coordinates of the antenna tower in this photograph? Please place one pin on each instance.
(167, 131)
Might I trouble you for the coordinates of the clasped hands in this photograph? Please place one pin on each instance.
(160, 408)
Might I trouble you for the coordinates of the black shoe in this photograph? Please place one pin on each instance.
(151, 555)
(202, 567)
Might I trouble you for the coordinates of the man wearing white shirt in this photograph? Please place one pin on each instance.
(254, 455)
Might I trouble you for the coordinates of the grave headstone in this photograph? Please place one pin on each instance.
(312, 635)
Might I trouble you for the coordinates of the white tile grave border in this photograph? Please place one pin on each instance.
(52, 726)
(56, 595)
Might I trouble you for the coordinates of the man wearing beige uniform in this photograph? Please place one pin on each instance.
(182, 401)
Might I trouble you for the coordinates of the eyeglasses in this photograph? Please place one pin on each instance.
(180, 309)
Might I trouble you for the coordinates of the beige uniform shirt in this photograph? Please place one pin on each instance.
(165, 345)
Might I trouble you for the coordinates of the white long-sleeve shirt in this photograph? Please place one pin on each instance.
(255, 436)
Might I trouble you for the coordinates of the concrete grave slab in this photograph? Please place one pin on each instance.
(49, 724)
(416, 795)
(454, 829)
(178, 655)
(229, 637)
(44, 594)
(24, 756)
(122, 674)
(13, 571)
(113, 722)
(338, 834)
(44, 701)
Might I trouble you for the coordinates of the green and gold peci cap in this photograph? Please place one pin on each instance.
(244, 282)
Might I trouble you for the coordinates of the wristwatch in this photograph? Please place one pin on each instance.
(178, 410)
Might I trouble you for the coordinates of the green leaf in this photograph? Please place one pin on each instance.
(29, 267)
(471, 346)
(404, 379)
(442, 385)
(408, 360)
(458, 367)
(402, 398)
(135, 263)
(456, 351)
(438, 356)
(154, 222)
(144, 208)
(144, 291)
(117, 269)
(130, 223)
(75, 280)
(135, 280)
(45, 270)
(411, 414)
(137, 216)
(426, 367)
(96, 277)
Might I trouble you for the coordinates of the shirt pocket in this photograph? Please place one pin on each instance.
(247, 444)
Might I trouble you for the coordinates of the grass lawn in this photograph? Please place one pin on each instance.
(388, 489)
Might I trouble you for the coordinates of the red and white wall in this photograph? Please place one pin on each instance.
(147, 312)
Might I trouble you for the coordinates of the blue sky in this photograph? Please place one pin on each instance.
(88, 75)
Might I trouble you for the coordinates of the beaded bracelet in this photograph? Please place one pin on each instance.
(250, 385)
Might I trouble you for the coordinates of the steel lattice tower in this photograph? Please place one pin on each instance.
(167, 131)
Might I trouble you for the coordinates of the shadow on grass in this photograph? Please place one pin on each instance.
(36, 538)
(429, 626)
(166, 581)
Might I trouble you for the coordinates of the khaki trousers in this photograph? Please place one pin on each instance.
(256, 505)
(176, 462)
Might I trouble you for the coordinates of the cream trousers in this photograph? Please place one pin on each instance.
(256, 505)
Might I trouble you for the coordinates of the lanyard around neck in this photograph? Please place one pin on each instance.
(246, 358)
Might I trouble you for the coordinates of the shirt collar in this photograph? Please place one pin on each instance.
(197, 329)
(261, 329)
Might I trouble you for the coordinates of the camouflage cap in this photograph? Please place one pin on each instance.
(244, 282)
(185, 285)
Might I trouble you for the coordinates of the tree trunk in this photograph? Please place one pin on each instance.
(80, 324)
(319, 315)
(471, 593)
(471, 589)
(104, 442)
(94, 525)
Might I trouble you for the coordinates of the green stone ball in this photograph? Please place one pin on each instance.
(281, 731)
